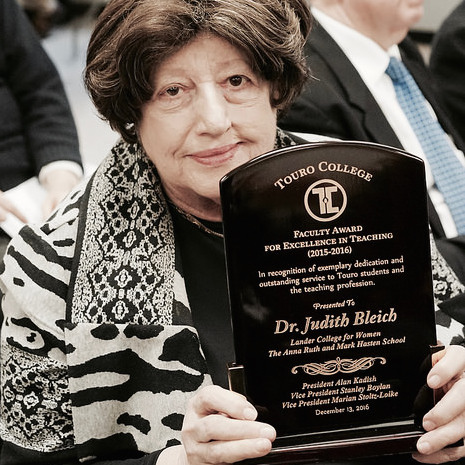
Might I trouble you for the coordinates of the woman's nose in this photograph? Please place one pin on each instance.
(212, 111)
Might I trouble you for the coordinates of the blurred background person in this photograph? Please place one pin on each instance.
(352, 97)
(38, 136)
(447, 64)
(41, 13)
(46, 14)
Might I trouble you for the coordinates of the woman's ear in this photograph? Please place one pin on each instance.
(275, 100)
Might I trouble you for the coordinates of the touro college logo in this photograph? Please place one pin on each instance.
(325, 200)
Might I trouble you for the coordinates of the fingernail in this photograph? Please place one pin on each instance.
(262, 445)
(434, 381)
(268, 432)
(428, 425)
(250, 413)
(423, 447)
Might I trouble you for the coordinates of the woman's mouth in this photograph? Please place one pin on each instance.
(216, 156)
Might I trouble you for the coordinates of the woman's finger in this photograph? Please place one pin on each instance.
(443, 436)
(449, 454)
(222, 428)
(214, 399)
(451, 405)
(448, 365)
(219, 452)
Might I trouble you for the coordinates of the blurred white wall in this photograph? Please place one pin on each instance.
(435, 12)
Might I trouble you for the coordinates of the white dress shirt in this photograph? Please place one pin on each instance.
(371, 60)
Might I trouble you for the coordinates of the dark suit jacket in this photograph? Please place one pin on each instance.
(36, 123)
(447, 64)
(337, 103)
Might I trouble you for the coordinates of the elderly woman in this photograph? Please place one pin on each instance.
(117, 327)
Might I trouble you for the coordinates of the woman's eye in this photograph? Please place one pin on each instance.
(236, 81)
(173, 91)
(172, 96)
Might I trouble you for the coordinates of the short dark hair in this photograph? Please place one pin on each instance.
(132, 37)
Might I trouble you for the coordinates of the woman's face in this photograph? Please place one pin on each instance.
(209, 114)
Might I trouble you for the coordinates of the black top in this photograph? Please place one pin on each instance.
(204, 269)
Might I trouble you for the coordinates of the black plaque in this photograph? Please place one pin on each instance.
(329, 274)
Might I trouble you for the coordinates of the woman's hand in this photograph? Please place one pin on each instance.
(445, 422)
(7, 207)
(219, 428)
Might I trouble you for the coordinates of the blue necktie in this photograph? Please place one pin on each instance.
(448, 172)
